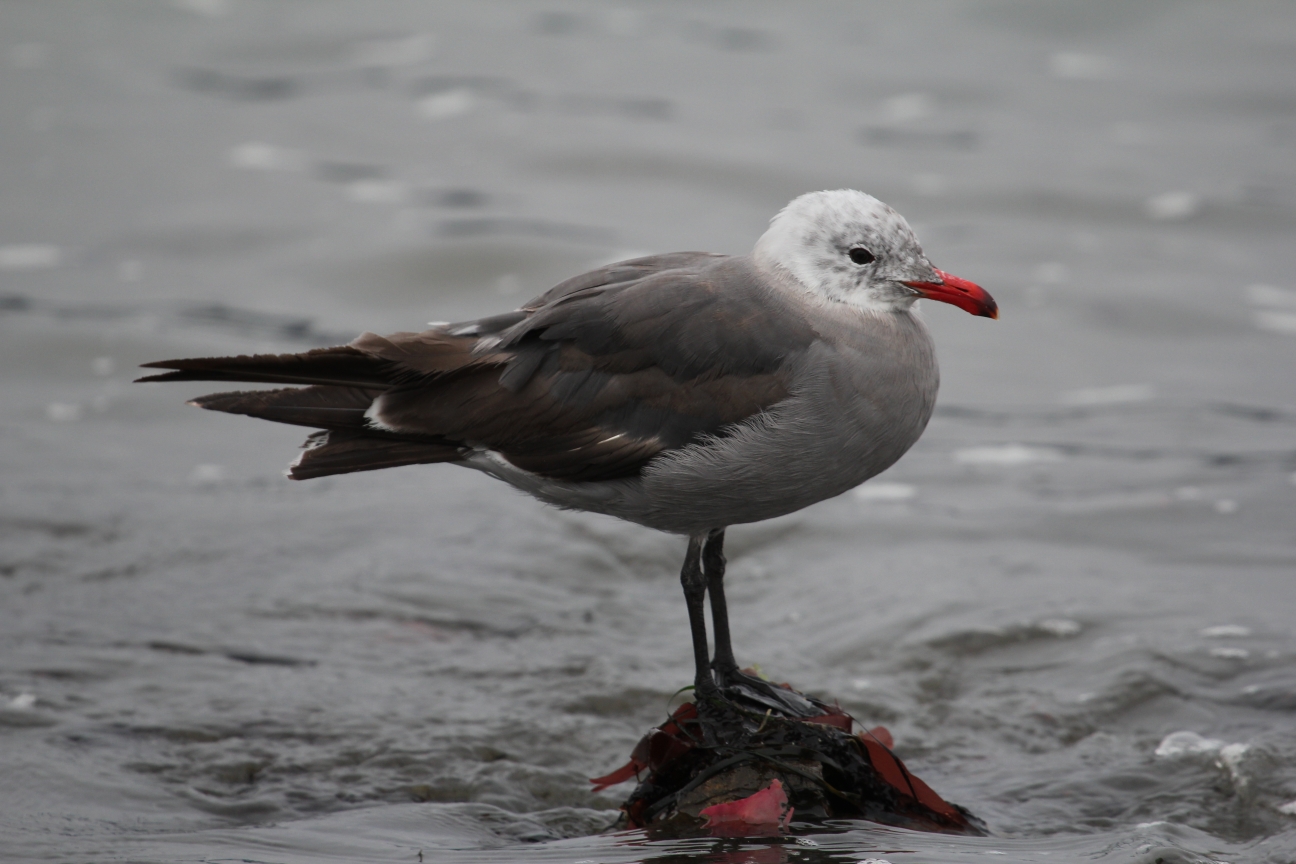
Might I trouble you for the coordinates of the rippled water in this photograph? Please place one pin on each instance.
(1090, 554)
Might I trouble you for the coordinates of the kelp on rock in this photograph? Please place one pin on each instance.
(714, 752)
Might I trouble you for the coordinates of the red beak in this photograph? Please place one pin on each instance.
(966, 295)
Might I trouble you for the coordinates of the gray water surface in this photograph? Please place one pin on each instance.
(1090, 551)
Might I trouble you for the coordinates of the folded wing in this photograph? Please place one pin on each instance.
(588, 382)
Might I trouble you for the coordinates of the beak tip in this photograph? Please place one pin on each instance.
(968, 296)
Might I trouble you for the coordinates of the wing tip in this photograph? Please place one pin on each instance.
(164, 376)
(173, 367)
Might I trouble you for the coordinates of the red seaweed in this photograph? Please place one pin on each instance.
(722, 767)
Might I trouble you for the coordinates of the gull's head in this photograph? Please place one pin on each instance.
(848, 247)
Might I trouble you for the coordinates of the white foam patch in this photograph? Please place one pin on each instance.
(1078, 66)
(23, 702)
(1230, 653)
(449, 103)
(63, 412)
(259, 156)
(1261, 294)
(1061, 627)
(1120, 394)
(1230, 757)
(206, 475)
(377, 191)
(1277, 312)
(1276, 322)
(1288, 809)
(1225, 631)
(1006, 455)
(906, 108)
(885, 492)
(30, 256)
(1173, 206)
(1187, 744)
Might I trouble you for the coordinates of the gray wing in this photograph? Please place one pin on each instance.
(589, 381)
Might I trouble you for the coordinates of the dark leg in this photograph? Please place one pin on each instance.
(694, 584)
(713, 563)
(731, 681)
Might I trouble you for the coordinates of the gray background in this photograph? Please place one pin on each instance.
(1091, 548)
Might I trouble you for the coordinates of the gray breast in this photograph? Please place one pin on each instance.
(860, 401)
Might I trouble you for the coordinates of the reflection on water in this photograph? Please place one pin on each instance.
(1071, 603)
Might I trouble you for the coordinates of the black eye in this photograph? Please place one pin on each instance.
(860, 255)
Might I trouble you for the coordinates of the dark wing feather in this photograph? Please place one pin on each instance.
(319, 407)
(347, 443)
(344, 452)
(589, 381)
(341, 365)
(603, 377)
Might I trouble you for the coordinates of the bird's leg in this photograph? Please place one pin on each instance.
(731, 680)
(713, 564)
(694, 583)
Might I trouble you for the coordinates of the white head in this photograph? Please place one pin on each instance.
(847, 247)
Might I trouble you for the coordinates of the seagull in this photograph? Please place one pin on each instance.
(686, 392)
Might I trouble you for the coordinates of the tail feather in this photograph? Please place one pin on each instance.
(347, 443)
(320, 407)
(340, 366)
(342, 384)
(343, 452)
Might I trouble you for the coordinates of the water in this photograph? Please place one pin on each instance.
(1089, 551)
